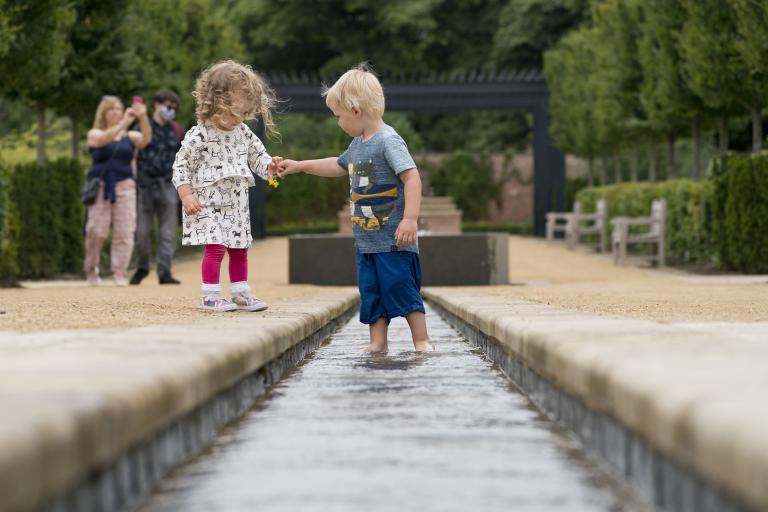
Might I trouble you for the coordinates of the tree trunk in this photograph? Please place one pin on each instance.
(757, 130)
(41, 134)
(696, 134)
(591, 172)
(723, 135)
(75, 120)
(603, 172)
(634, 163)
(670, 156)
(652, 162)
(617, 168)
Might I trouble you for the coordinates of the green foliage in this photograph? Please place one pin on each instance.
(522, 228)
(469, 180)
(32, 65)
(690, 213)
(571, 69)
(48, 235)
(527, 28)
(572, 187)
(741, 211)
(473, 131)
(8, 227)
(303, 228)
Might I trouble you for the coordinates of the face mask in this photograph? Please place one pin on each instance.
(167, 113)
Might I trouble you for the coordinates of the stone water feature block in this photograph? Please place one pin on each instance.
(446, 260)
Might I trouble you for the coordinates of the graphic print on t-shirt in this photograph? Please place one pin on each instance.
(371, 202)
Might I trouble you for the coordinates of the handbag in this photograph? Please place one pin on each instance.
(90, 190)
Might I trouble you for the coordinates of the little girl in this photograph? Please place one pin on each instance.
(214, 167)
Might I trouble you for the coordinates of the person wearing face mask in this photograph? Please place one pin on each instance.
(157, 195)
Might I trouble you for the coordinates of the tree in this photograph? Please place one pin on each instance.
(570, 71)
(281, 36)
(100, 61)
(618, 78)
(706, 44)
(32, 66)
(752, 43)
(528, 28)
(8, 29)
(172, 46)
(671, 106)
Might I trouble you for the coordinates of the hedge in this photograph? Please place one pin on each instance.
(43, 219)
(741, 211)
(8, 222)
(690, 213)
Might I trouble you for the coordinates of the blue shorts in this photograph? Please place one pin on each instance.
(389, 284)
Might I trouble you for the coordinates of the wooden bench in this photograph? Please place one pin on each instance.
(573, 225)
(558, 221)
(581, 224)
(622, 237)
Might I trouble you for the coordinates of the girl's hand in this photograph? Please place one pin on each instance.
(191, 204)
(287, 167)
(405, 235)
(272, 167)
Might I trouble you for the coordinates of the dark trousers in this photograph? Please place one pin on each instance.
(156, 197)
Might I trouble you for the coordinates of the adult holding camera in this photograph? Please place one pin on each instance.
(157, 195)
(111, 144)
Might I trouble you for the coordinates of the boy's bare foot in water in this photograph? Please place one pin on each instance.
(374, 348)
(423, 346)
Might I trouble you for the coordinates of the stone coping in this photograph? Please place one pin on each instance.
(697, 395)
(73, 407)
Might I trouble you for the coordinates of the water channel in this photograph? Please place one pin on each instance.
(445, 431)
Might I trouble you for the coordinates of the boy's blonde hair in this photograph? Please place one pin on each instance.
(359, 87)
(223, 84)
(106, 103)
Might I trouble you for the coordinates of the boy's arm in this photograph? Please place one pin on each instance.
(405, 234)
(325, 167)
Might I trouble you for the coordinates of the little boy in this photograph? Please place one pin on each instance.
(385, 197)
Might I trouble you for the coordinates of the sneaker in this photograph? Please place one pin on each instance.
(139, 276)
(168, 279)
(249, 303)
(216, 303)
(120, 280)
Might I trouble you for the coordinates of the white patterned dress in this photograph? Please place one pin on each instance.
(219, 166)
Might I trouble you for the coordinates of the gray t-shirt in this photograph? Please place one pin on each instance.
(376, 197)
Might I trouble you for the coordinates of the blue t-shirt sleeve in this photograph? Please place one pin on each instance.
(397, 155)
(343, 159)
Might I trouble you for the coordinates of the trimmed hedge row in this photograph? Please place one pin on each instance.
(723, 220)
(690, 211)
(741, 211)
(42, 219)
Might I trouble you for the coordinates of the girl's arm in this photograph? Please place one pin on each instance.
(259, 160)
(325, 167)
(140, 140)
(186, 162)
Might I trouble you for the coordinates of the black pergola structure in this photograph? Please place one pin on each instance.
(511, 91)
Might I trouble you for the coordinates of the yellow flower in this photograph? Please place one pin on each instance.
(273, 182)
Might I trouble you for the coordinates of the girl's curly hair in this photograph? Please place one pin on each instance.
(225, 83)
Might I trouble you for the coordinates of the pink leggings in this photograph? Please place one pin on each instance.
(238, 264)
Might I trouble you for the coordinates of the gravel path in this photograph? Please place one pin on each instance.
(569, 279)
